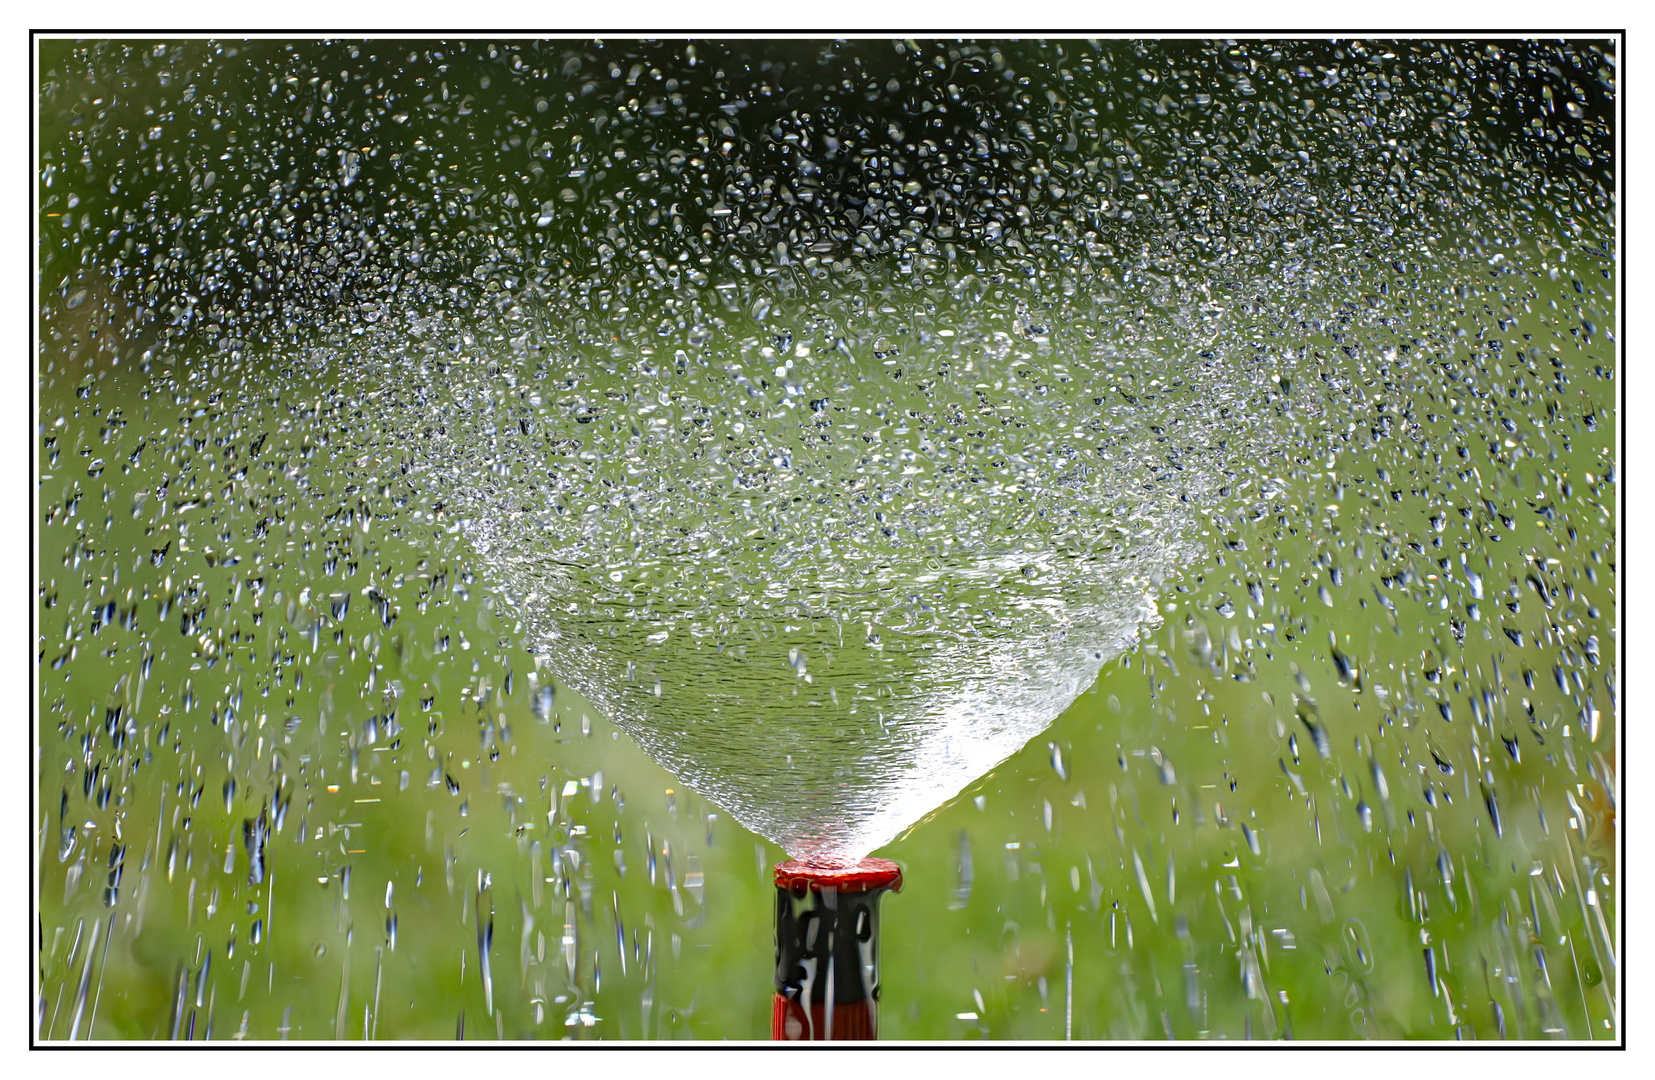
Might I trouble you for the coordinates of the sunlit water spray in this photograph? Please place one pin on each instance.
(833, 518)
(828, 588)
(829, 566)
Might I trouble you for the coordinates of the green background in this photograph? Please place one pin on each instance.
(1270, 819)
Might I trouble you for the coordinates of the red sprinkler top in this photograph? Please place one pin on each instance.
(869, 874)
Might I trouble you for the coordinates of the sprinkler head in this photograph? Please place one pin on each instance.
(827, 949)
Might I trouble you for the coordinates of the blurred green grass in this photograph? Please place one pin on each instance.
(1197, 868)
(1135, 858)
